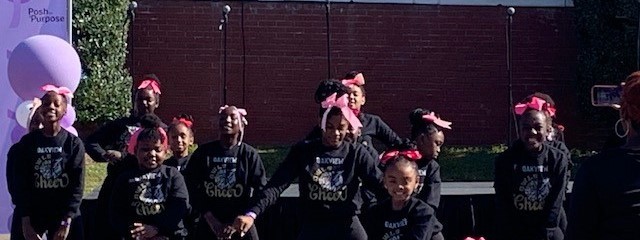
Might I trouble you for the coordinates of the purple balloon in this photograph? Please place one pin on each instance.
(41, 60)
(69, 118)
(72, 130)
(17, 133)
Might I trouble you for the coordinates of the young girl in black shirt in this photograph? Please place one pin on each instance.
(150, 200)
(530, 181)
(402, 216)
(49, 174)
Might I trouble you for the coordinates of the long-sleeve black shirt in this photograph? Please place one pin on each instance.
(374, 127)
(49, 175)
(178, 162)
(115, 136)
(605, 201)
(429, 189)
(329, 180)
(12, 157)
(112, 136)
(222, 180)
(413, 222)
(529, 192)
(157, 197)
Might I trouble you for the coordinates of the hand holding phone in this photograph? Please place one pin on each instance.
(606, 95)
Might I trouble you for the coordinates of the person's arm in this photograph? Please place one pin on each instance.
(193, 179)
(553, 203)
(584, 211)
(503, 197)
(23, 176)
(431, 191)
(258, 179)
(118, 207)
(76, 177)
(104, 134)
(385, 134)
(280, 181)
(423, 223)
(369, 173)
(12, 157)
(176, 205)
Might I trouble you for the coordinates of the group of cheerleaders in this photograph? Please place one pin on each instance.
(157, 187)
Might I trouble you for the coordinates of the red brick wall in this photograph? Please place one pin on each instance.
(451, 59)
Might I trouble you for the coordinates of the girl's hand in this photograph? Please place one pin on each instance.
(63, 230)
(243, 223)
(113, 156)
(143, 231)
(228, 232)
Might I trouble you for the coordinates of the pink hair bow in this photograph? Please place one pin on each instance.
(341, 103)
(431, 117)
(536, 103)
(59, 90)
(184, 121)
(241, 113)
(133, 141)
(470, 238)
(413, 155)
(150, 83)
(358, 80)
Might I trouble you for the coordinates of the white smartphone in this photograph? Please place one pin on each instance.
(606, 95)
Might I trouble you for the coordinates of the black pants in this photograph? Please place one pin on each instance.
(203, 231)
(333, 230)
(50, 225)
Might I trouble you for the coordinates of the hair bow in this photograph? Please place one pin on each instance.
(412, 154)
(341, 103)
(535, 103)
(133, 141)
(470, 238)
(431, 117)
(358, 80)
(241, 113)
(59, 90)
(184, 121)
(150, 83)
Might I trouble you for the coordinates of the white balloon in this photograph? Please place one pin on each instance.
(22, 113)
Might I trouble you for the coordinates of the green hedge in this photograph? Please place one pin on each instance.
(100, 36)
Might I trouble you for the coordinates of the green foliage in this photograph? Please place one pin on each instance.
(100, 35)
(607, 34)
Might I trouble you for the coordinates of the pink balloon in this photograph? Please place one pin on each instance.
(41, 60)
(72, 130)
(69, 118)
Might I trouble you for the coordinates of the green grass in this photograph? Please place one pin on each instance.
(94, 174)
(456, 163)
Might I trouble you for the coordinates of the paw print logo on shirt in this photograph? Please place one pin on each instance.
(536, 188)
(328, 178)
(48, 168)
(223, 176)
(150, 193)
